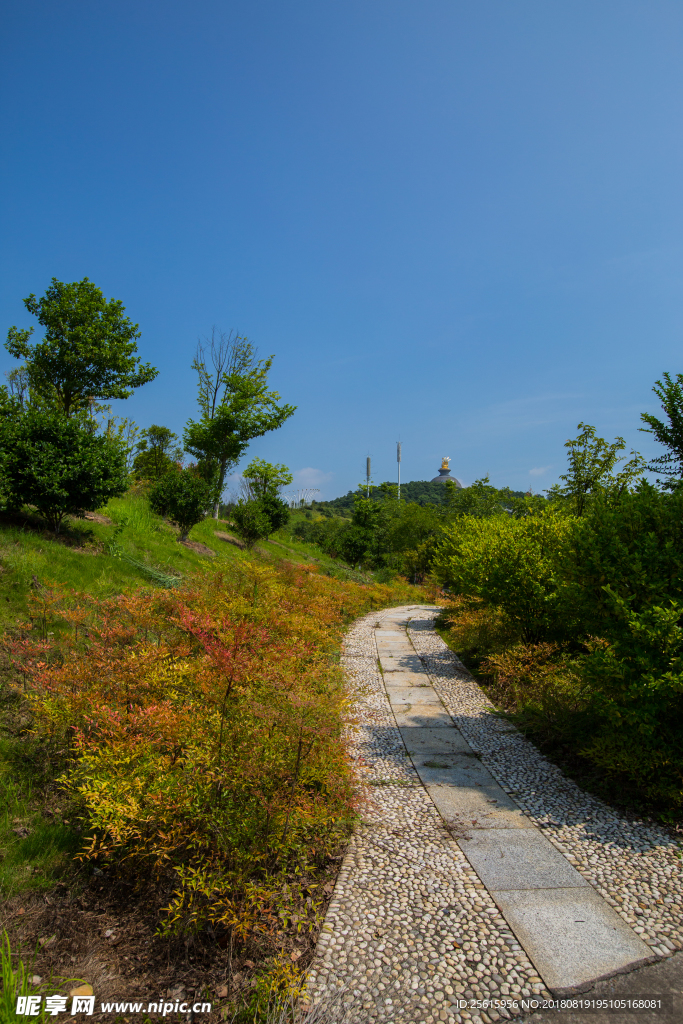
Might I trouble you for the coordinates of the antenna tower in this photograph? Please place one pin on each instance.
(398, 459)
(367, 475)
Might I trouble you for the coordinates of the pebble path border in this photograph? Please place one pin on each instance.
(410, 928)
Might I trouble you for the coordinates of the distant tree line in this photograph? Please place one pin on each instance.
(419, 492)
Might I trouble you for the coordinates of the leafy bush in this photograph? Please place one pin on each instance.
(509, 563)
(200, 729)
(276, 509)
(634, 546)
(59, 466)
(183, 497)
(476, 630)
(251, 521)
(637, 695)
(543, 688)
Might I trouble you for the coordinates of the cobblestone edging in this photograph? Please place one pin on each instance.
(635, 866)
(410, 928)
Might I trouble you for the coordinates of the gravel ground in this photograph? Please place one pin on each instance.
(634, 865)
(410, 929)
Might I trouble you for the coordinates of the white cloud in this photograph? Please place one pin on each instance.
(539, 470)
(310, 477)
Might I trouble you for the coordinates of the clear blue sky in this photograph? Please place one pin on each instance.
(457, 222)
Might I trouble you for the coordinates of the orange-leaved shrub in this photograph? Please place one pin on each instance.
(200, 731)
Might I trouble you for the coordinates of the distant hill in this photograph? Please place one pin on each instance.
(422, 492)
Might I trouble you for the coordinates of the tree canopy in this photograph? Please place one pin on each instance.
(183, 497)
(591, 470)
(243, 409)
(88, 352)
(266, 478)
(670, 464)
(158, 452)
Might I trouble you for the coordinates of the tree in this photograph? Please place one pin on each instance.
(261, 511)
(218, 357)
(18, 385)
(670, 464)
(592, 460)
(121, 429)
(88, 352)
(276, 510)
(264, 478)
(158, 452)
(59, 466)
(183, 497)
(236, 406)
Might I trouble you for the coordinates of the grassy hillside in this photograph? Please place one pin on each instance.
(125, 546)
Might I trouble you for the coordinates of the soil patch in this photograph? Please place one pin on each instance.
(104, 934)
(229, 539)
(200, 549)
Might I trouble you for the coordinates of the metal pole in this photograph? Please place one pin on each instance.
(367, 470)
(398, 459)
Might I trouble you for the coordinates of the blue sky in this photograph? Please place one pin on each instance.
(454, 223)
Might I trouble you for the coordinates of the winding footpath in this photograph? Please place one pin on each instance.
(478, 870)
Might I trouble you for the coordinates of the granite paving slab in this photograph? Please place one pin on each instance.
(413, 695)
(432, 715)
(400, 663)
(520, 858)
(469, 808)
(571, 936)
(401, 677)
(420, 740)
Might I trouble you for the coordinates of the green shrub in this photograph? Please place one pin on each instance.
(543, 690)
(476, 630)
(634, 546)
(59, 466)
(636, 686)
(183, 497)
(509, 563)
(251, 521)
(276, 510)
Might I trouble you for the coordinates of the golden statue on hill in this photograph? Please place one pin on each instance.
(445, 462)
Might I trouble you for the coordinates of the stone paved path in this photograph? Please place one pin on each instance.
(478, 871)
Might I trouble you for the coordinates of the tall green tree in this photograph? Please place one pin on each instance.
(670, 464)
(264, 478)
(241, 409)
(158, 452)
(596, 467)
(218, 356)
(88, 352)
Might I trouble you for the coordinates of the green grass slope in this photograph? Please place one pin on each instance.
(124, 547)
